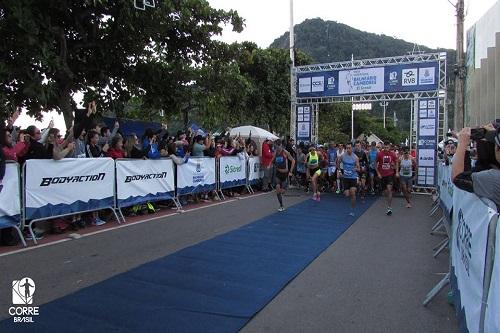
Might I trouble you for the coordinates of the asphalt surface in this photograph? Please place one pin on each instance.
(372, 279)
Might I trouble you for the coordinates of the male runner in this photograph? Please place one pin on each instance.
(363, 164)
(350, 176)
(405, 174)
(332, 166)
(387, 164)
(282, 170)
(312, 161)
(372, 161)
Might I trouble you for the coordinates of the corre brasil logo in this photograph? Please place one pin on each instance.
(23, 291)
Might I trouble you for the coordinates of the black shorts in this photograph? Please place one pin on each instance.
(389, 180)
(349, 183)
(281, 177)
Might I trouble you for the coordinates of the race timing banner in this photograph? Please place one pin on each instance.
(383, 79)
(232, 172)
(427, 139)
(10, 196)
(139, 181)
(80, 185)
(197, 175)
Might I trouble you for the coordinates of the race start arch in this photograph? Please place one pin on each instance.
(419, 78)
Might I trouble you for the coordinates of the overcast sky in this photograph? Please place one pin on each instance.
(426, 22)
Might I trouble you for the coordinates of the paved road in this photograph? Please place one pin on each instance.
(370, 280)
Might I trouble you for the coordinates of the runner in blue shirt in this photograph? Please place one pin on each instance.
(350, 176)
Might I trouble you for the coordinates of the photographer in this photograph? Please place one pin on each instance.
(484, 183)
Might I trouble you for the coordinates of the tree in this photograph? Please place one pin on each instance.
(106, 49)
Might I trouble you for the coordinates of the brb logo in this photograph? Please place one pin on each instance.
(22, 294)
(409, 77)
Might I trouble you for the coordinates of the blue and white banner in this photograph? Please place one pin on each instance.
(10, 196)
(139, 181)
(80, 185)
(471, 219)
(197, 175)
(255, 172)
(232, 172)
(446, 188)
(492, 319)
(303, 123)
(423, 76)
(427, 134)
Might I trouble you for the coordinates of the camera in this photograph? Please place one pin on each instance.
(477, 134)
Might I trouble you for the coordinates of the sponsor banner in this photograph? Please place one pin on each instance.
(471, 219)
(10, 196)
(70, 185)
(446, 188)
(232, 172)
(197, 175)
(361, 81)
(303, 124)
(492, 318)
(255, 172)
(427, 136)
(139, 181)
(389, 79)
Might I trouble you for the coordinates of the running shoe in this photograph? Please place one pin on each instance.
(315, 197)
(281, 209)
(318, 198)
(389, 211)
(338, 191)
(408, 205)
(351, 214)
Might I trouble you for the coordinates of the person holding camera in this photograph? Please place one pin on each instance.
(485, 183)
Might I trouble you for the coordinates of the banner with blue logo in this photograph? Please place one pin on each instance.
(383, 79)
(10, 196)
(255, 172)
(232, 171)
(139, 181)
(446, 188)
(303, 122)
(195, 176)
(81, 184)
(427, 135)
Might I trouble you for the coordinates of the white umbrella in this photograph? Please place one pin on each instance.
(256, 132)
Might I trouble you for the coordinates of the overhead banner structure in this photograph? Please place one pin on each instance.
(10, 196)
(197, 175)
(492, 318)
(427, 140)
(382, 79)
(304, 120)
(471, 219)
(80, 185)
(139, 181)
(255, 172)
(232, 172)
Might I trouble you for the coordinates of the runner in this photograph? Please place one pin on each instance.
(372, 161)
(340, 167)
(386, 166)
(282, 170)
(363, 164)
(313, 160)
(350, 176)
(406, 164)
(332, 166)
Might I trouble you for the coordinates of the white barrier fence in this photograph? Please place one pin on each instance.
(475, 272)
(72, 186)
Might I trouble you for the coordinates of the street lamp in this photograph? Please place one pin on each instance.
(384, 105)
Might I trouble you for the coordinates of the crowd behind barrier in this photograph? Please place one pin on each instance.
(475, 269)
(73, 186)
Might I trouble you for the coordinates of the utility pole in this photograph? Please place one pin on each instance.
(460, 68)
(384, 105)
(293, 130)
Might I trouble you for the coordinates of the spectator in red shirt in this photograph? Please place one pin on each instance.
(116, 150)
(387, 164)
(266, 162)
(11, 151)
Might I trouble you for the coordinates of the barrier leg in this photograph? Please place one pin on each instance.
(441, 248)
(434, 291)
(222, 195)
(32, 233)
(434, 209)
(20, 235)
(440, 244)
(438, 224)
(121, 214)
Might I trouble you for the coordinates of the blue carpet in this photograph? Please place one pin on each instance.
(214, 286)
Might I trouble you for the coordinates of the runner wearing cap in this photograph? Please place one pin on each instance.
(405, 174)
(312, 161)
(282, 170)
